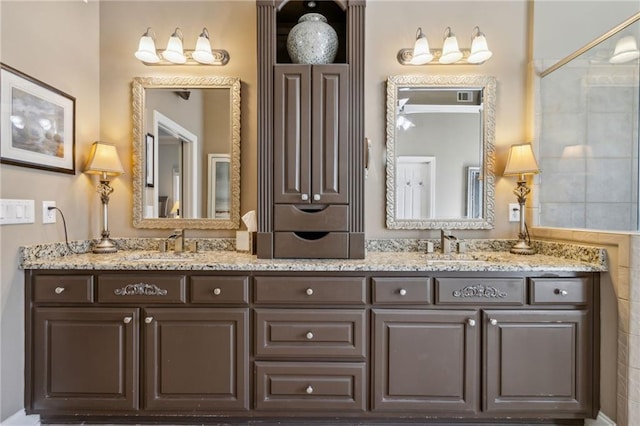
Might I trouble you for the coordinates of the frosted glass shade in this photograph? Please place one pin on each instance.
(147, 50)
(479, 50)
(174, 52)
(421, 52)
(626, 50)
(450, 51)
(203, 53)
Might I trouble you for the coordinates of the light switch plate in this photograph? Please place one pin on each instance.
(13, 212)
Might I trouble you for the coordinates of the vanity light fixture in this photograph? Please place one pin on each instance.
(450, 53)
(175, 54)
(521, 163)
(104, 161)
(626, 50)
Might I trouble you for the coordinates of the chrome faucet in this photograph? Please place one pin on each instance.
(447, 242)
(179, 241)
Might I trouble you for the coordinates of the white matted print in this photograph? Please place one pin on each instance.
(37, 123)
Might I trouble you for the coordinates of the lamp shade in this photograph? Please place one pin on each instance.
(147, 49)
(421, 52)
(174, 52)
(626, 50)
(203, 53)
(104, 159)
(479, 49)
(521, 161)
(450, 51)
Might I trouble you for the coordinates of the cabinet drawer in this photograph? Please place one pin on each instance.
(484, 291)
(63, 289)
(331, 218)
(291, 245)
(320, 386)
(220, 290)
(401, 290)
(574, 291)
(132, 288)
(309, 290)
(295, 333)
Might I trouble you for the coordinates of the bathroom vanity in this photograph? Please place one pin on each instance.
(139, 336)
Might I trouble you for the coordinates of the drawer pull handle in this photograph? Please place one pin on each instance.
(403, 292)
(127, 320)
(316, 197)
(148, 320)
(59, 290)
(217, 291)
(309, 390)
(309, 335)
(140, 289)
(561, 292)
(471, 322)
(309, 291)
(493, 321)
(304, 197)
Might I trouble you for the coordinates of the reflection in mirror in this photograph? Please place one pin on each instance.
(440, 152)
(186, 152)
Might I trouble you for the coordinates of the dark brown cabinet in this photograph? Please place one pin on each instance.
(84, 359)
(537, 362)
(154, 346)
(310, 134)
(426, 361)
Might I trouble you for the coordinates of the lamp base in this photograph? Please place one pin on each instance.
(521, 247)
(104, 246)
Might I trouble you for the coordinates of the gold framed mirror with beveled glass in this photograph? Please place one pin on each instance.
(186, 152)
(440, 152)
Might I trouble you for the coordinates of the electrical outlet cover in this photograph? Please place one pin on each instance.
(514, 212)
(48, 216)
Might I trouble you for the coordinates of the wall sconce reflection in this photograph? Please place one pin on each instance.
(450, 53)
(175, 54)
(626, 50)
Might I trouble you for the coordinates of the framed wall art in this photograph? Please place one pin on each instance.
(37, 123)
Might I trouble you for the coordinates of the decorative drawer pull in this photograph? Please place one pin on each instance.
(309, 335)
(304, 197)
(403, 292)
(479, 290)
(316, 197)
(309, 390)
(217, 291)
(471, 322)
(561, 292)
(309, 291)
(493, 321)
(148, 320)
(127, 320)
(59, 290)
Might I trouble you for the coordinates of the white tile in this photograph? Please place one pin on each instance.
(610, 134)
(563, 215)
(609, 216)
(563, 180)
(608, 180)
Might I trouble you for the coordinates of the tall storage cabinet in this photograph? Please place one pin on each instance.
(311, 137)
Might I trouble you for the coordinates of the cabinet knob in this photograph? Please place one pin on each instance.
(561, 292)
(217, 291)
(304, 197)
(493, 321)
(471, 322)
(309, 291)
(316, 197)
(309, 335)
(148, 320)
(403, 292)
(127, 320)
(309, 390)
(59, 290)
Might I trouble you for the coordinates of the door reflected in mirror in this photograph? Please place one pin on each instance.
(190, 122)
(440, 166)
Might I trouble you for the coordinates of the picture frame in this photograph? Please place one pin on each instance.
(37, 123)
(150, 160)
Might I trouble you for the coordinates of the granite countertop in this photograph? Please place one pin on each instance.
(387, 256)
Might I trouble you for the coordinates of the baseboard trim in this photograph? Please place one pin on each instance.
(21, 419)
(601, 420)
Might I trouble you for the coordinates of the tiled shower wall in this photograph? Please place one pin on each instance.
(587, 120)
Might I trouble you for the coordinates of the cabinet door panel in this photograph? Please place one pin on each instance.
(425, 360)
(537, 361)
(292, 133)
(330, 95)
(85, 359)
(197, 359)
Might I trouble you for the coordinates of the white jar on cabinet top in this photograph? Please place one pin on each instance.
(312, 40)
